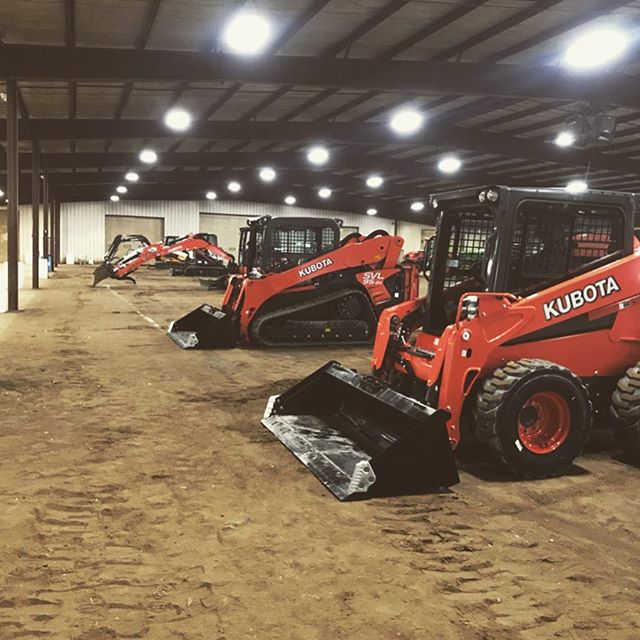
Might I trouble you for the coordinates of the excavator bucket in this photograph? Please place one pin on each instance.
(204, 328)
(360, 437)
(102, 273)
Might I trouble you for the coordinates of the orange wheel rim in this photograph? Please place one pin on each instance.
(544, 422)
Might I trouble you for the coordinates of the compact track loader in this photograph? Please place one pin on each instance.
(195, 248)
(529, 333)
(299, 284)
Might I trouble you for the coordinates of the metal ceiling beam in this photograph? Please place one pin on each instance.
(449, 137)
(522, 81)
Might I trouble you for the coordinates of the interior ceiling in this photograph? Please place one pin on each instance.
(95, 78)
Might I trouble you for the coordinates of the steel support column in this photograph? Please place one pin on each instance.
(56, 232)
(12, 194)
(35, 214)
(45, 215)
(52, 229)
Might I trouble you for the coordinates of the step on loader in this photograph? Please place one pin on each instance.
(193, 248)
(528, 335)
(299, 284)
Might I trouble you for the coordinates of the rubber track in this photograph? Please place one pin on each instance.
(257, 323)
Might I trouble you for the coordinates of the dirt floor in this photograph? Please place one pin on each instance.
(141, 498)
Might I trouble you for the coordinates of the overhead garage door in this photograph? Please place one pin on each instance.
(425, 234)
(152, 228)
(345, 231)
(226, 227)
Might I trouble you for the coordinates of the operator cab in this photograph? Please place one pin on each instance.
(518, 241)
(277, 244)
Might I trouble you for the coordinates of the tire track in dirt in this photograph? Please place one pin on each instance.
(548, 576)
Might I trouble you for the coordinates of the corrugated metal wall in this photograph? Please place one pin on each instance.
(25, 230)
(83, 226)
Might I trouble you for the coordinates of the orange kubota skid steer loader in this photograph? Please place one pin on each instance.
(528, 334)
(197, 245)
(299, 284)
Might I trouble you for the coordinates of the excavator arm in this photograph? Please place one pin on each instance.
(121, 268)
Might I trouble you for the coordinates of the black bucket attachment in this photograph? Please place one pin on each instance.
(204, 328)
(103, 272)
(360, 437)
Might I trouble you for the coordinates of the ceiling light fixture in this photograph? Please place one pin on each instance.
(375, 181)
(148, 156)
(406, 121)
(417, 206)
(121, 189)
(450, 164)
(132, 176)
(234, 186)
(178, 119)
(318, 155)
(290, 200)
(596, 48)
(247, 34)
(577, 186)
(267, 174)
(324, 192)
(565, 139)
(211, 195)
(115, 198)
(372, 212)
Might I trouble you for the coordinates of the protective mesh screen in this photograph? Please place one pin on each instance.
(466, 247)
(552, 241)
(328, 239)
(291, 246)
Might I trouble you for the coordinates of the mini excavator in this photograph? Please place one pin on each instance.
(200, 245)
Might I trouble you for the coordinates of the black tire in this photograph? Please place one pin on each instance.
(501, 419)
(625, 412)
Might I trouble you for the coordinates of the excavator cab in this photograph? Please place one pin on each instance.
(529, 320)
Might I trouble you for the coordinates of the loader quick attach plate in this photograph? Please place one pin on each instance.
(204, 328)
(361, 438)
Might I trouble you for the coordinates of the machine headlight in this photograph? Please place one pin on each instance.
(482, 196)
(470, 306)
(492, 195)
(434, 203)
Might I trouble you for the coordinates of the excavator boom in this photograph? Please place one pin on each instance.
(122, 268)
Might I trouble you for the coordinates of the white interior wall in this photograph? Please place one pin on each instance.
(25, 230)
(83, 226)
